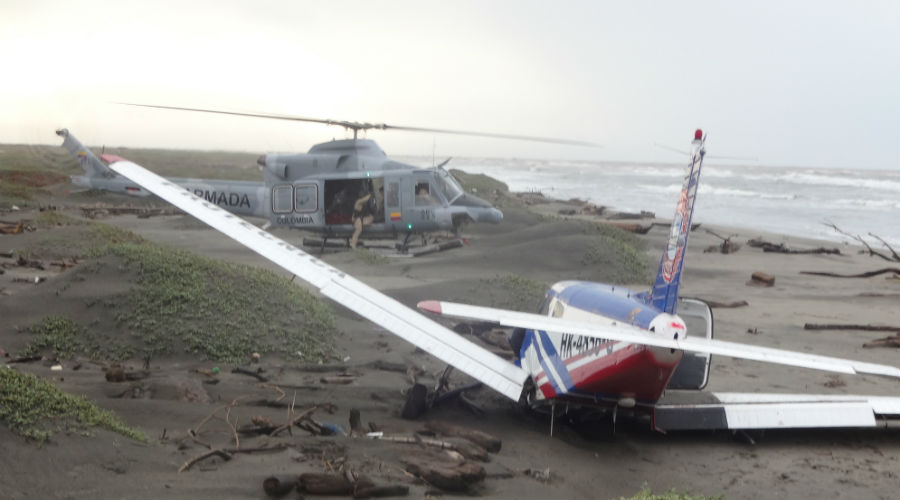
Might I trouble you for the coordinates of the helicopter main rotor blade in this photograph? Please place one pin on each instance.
(345, 124)
(529, 138)
(356, 126)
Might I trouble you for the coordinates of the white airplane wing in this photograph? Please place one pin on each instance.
(627, 333)
(723, 410)
(407, 323)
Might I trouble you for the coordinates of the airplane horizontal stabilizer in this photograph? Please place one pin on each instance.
(772, 411)
(627, 333)
(407, 323)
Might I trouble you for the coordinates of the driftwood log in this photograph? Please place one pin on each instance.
(487, 441)
(782, 248)
(759, 278)
(737, 303)
(463, 447)
(894, 270)
(331, 484)
(893, 341)
(833, 326)
(279, 486)
(444, 474)
(250, 373)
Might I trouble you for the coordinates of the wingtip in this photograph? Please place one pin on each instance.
(112, 158)
(432, 306)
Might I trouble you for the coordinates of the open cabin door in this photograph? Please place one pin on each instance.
(693, 371)
(341, 195)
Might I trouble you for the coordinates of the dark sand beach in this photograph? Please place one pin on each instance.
(532, 242)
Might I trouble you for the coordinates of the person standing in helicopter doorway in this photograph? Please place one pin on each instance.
(363, 214)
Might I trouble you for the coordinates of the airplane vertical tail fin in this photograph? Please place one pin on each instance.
(92, 165)
(664, 295)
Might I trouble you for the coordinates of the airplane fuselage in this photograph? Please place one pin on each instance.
(600, 370)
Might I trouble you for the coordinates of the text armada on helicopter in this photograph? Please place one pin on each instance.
(591, 344)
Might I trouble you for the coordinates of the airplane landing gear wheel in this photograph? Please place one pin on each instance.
(416, 402)
(528, 396)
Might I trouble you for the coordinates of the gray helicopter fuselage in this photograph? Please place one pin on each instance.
(325, 183)
(317, 191)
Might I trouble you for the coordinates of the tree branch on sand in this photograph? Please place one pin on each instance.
(894, 257)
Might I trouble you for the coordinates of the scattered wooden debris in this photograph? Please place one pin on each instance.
(433, 468)
(255, 374)
(591, 209)
(16, 228)
(331, 484)
(21, 261)
(65, 264)
(487, 441)
(893, 341)
(782, 248)
(726, 305)
(759, 278)
(35, 280)
(380, 364)
(117, 373)
(279, 486)
(101, 210)
(894, 257)
(631, 227)
(25, 359)
(643, 214)
(894, 270)
(346, 483)
(228, 453)
(834, 326)
(342, 379)
(726, 247)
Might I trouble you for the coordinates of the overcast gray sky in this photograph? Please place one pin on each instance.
(805, 83)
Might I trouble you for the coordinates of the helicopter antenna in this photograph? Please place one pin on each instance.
(357, 126)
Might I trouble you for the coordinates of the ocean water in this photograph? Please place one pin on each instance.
(784, 200)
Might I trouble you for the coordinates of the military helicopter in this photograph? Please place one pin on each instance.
(318, 191)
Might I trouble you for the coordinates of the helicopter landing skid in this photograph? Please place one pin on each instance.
(403, 249)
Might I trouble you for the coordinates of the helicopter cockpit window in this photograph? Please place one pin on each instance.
(423, 195)
(448, 185)
(282, 199)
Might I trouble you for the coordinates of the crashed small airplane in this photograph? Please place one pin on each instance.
(590, 344)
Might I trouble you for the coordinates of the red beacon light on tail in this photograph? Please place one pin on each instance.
(698, 134)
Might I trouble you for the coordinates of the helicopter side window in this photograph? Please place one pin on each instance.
(423, 195)
(282, 199)
(393, 194)
(306, 198)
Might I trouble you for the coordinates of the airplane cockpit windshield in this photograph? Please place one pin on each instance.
(448, 185)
